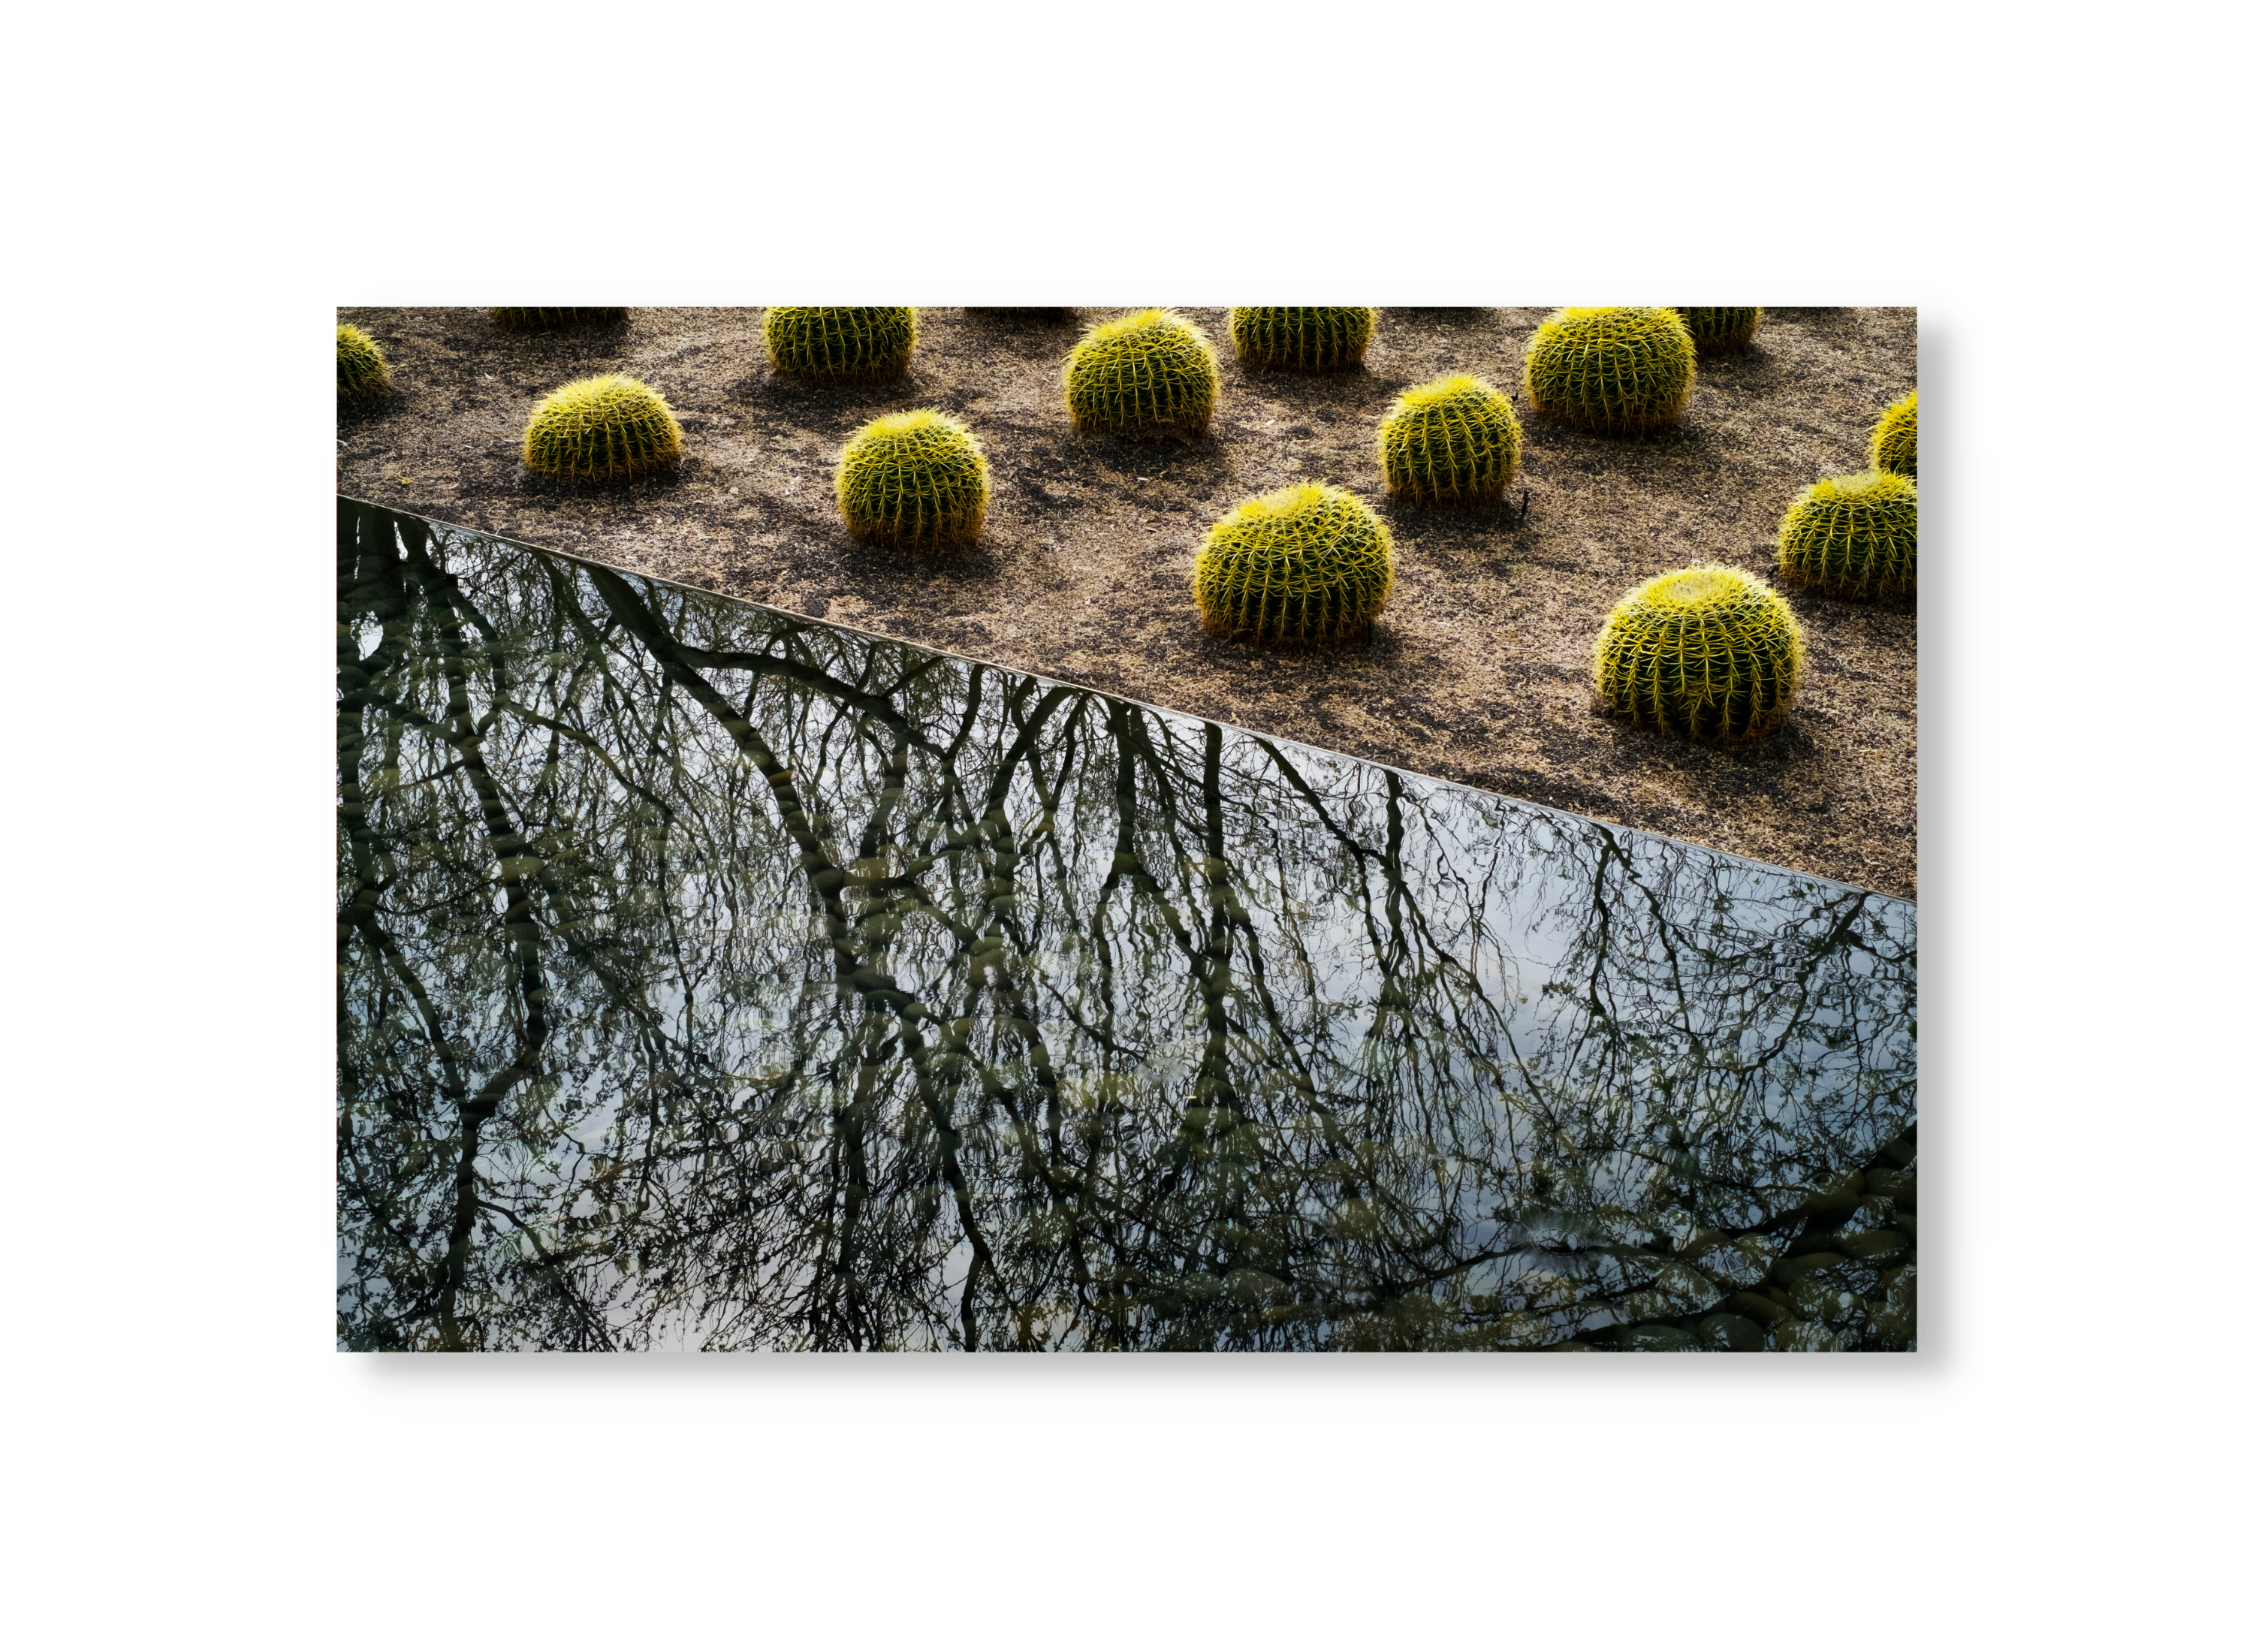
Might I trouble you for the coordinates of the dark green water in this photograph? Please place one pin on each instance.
(711, 979)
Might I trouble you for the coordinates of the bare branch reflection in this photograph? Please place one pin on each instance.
(711, 979)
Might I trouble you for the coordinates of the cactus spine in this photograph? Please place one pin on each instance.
(1451, 442)
(1706, 652)
(600, 430)
(539, 320)
(1152, 373)
(1311, 340)
(1892, 444)
(362, 373)
(913, 479)
(1852, 536)
(850, 345)
(1718, 330)
(1304, 564)
(1622, 369)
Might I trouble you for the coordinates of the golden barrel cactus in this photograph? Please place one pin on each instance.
(913, 479)
(1719, 327)
(850, 345)
(1153, 373)
(1707, 652)
(1852, 536)
(1452, 442)
(1892, 444)
(1622, 369)
(362, 374)
(1304, 564)
(1312, 340)
(609, 428)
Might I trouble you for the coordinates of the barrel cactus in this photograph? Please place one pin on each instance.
(913, 479)
(1708, 653)
(1152, 373)
(540, 320)
(1452, 442)
(1304, 564)
(600, 430)
(361, 371)
(862, 345)
(1852, 536)
(1312, 340)
(1716, 330)
(1892, 444)
(1621, 368)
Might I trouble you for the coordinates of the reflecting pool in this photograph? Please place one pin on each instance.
(709, 977)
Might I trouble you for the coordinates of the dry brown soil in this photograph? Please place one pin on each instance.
(1478, 669)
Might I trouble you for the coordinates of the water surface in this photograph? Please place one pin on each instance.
(709, 977)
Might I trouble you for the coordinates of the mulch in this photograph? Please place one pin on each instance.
(1478, 669)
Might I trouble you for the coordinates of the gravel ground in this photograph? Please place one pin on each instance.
(1477, 670)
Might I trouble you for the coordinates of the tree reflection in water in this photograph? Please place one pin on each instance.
(709, 978)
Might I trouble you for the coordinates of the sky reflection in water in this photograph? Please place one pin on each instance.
(711, 979)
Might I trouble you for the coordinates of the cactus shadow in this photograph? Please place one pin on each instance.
(1831, 320)
(576, 327)
(1178, 457)
(1326, 396)
(558, 353)
(1042, 327)
(1354, 373)
(1750, 366)
(654, 486)
(1753, 765)
(1809, 601)
(813, 401)
(953, 567)
(1591, 449)
(1433, 314)
(1458, 526)
(353, 416)
(1379, 646)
